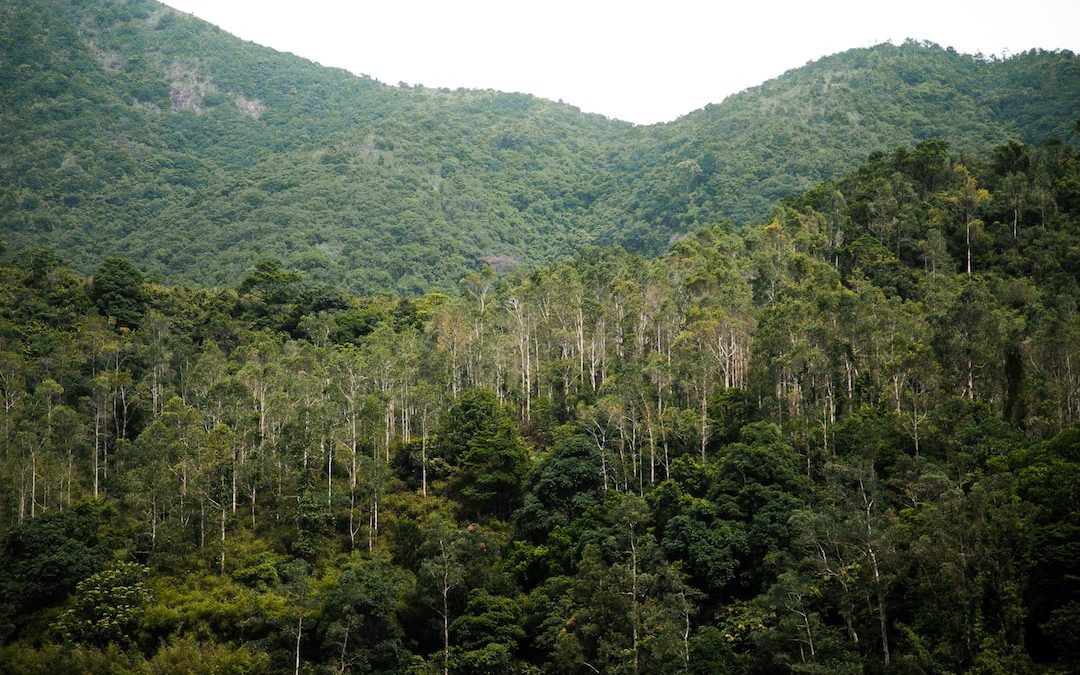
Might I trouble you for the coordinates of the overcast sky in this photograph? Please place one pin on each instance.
(636, 61)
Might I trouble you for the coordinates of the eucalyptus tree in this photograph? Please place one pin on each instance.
(442, 574)
(355, 405)
(214, 483)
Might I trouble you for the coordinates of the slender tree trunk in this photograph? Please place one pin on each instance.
(344, 648)
(235, 491)
(22, 492)
(446, 628)
(33, 482)
(183, 494)
(801, 613)
(704, 420)
(634, 597)
(879, 590)
(686, 631)
(883, 621)
(652, 448)
(967, 239)
(97, 450)
(423, 462)
(353, 527)
(581, 344)
(70, 474)
(915, 423)
(299, 634)
(223, 512)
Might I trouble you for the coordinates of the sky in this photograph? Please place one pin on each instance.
(642, 62)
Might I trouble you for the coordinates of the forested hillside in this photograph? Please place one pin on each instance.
(841, 441)
(736, 159)
(133, 130)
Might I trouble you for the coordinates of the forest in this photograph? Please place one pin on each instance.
(841, 440)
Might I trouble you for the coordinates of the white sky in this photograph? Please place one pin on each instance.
(632, 60)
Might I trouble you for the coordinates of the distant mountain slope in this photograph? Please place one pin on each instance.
(736, 159)
(131, 129)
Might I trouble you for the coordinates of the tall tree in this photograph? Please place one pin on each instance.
(487, 457)
(118, 292)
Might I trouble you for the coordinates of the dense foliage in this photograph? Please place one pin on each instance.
(845, 440)
(133, 130)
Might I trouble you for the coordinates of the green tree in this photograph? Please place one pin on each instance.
(562, 486)
(481, 443)
(117, 290)
(487, 634)
(757, 483)
(45, 558)
(359, 619)
(107, 607)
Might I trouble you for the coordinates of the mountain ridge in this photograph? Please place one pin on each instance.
(136, 130)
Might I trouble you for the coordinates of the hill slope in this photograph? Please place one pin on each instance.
(736, 159)
(131, 129)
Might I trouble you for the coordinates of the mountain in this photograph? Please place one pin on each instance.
(131, 129)
(136, 130)
(738, 158)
